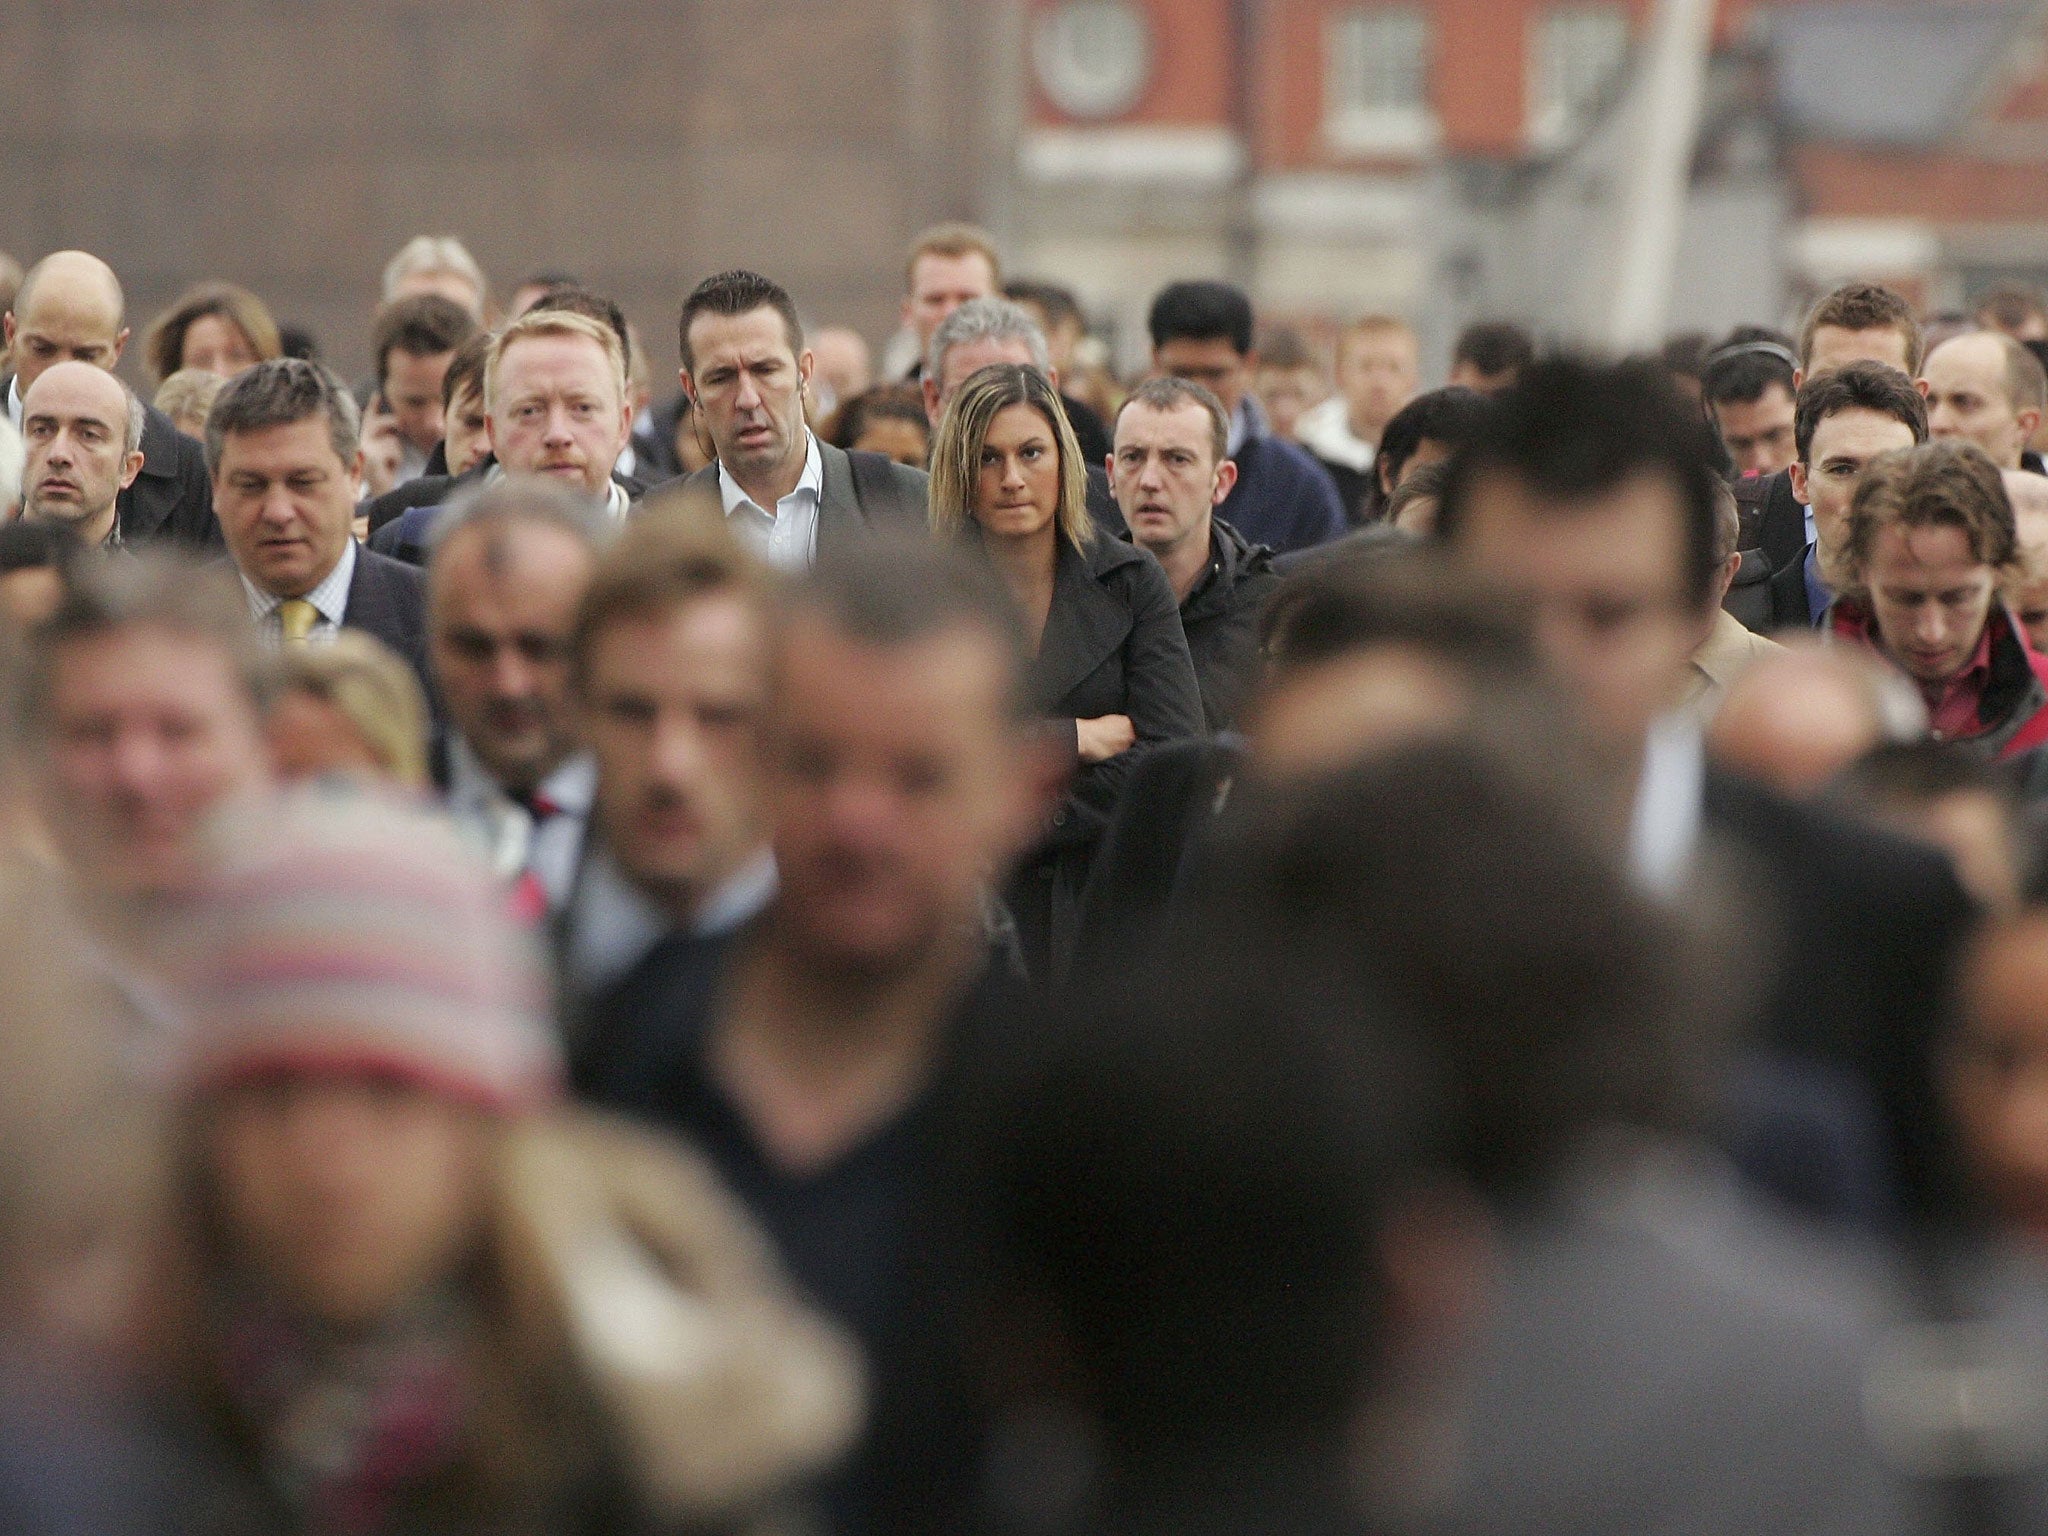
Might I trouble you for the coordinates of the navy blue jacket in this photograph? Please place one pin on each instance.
(1283, 499)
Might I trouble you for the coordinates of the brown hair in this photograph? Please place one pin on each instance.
(954, 240)
(678, 548)
(733, 293)
(1372, 325)
(163, 345)
(1943, 484)
(466, 369)
(1167, 393)
(2008, 309)
(1864, 307)
(424, 325)
(956, 451)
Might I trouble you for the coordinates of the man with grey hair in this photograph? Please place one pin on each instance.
(283, 446)
(983, 332)
(437, 264)
(83, 428)
(504, 580)
(69, 309)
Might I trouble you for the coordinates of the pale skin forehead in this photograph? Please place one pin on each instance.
(73, 281)
(1187, 425)
(1977, 360)
(76, 389)
(544, 358)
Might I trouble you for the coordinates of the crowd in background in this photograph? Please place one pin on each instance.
(980, 946)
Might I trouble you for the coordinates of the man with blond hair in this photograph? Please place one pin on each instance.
(1379, 370)
(555, 405)
(437, 264)
(948, 265)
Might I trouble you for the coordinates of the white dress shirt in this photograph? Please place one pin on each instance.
(1664, 828)
(14, 400)
(786, 538)
(506, 831)
(616, 502)
(329, 600)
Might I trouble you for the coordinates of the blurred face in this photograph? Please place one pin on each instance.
(1969, 397)
(149, 732)
(1758, 433)
(941, 284)
(30, 595)
(749, 388)
(467, 432)
(2027, 596)
(560, 412)
(74, 422)
(1836, 347)
(1325, 717)
(66, 319)
(412, 388)
(1615, 621)
(672, 707)
(1843, 444)
(895, 438)
(313, 738)
(218, 345)
(1165, 475)
(1215, 363)
(286, 502)
(1377, 373)
(348, 1197)
(1017, 491)
(501, 609)
(1931, 598)
(1286, 393)
(899, 788)
(1997, 1075)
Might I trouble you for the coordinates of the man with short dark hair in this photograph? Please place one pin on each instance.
(902, 772)
(1856, 323)
(1926, 550)
(1589, 492)
(1490, 355)
(1170, 475)
(83, 430)
(1202, 332)
(507, 572)
(69, 307)
(1987, 389)
(1843, 421)
(1425, 431)
(793, 497)
(1747, 386)
(415, 339)
(1058, 314)
(283, 448)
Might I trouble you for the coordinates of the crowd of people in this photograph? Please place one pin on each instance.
(1245, 949)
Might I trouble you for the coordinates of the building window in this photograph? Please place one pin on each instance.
(1575, 60)
(1376, 81)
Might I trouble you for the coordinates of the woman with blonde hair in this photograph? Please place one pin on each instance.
(1111, 665)
(350, 709)
(215, 326)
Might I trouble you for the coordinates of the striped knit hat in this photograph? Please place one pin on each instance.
(344, 933)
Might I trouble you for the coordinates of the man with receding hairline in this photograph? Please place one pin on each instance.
(1987, 389)
(69, 308)
(83, 430)
(2027, 593)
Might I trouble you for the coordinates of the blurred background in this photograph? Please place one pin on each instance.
(1437, 158)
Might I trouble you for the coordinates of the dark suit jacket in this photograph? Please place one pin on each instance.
(1789, 607)
(429, 490)
(1781, 532)
(897, 501)
(406, 536)
(1749, 595)
(1113, 645)
(388, 598)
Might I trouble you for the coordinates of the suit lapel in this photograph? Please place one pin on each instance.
(1085, 626)
(839, 515)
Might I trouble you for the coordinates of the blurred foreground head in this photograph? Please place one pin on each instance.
(1587, 489)
(1798, 718)
(905, 770)
(142, 706)
(361, 1006)
(1995, 1071)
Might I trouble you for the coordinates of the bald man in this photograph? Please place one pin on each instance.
(83, 429)
(1987, 389)
(69, 309)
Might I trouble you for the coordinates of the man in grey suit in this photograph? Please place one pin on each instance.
(791, 497)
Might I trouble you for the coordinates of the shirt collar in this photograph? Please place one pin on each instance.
(329, 598)
(571, 788)
(14, 399)
(1664, 827)
(812, 480)
(616, 501)
(740, 899)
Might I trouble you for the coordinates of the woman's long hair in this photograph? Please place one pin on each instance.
(163, 345)
(956, 453)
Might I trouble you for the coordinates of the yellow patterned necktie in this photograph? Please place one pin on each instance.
(296, 618)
